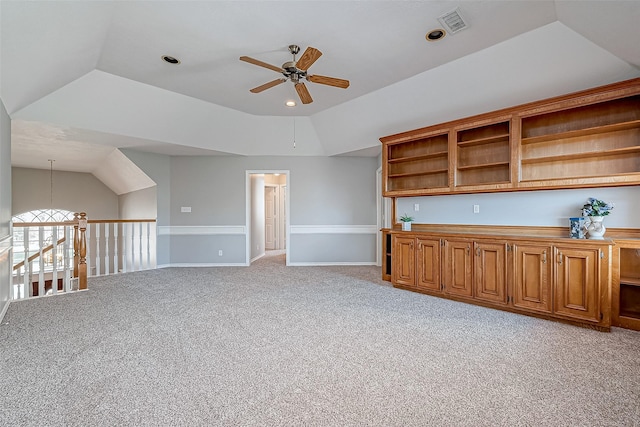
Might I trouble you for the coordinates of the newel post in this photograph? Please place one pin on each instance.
(82, 249)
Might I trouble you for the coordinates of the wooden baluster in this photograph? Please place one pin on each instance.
(82, 263)
(54, 259)
(67, 267)
(76, 245)
(116, 243)
(98, 261)
(107, 254)
(41, 286)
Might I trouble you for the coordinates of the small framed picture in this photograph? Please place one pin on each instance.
(576, 228)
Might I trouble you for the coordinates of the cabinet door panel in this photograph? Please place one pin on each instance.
(428, 263)
(458, 268)
(532, 283)
(490, 270)
(403, 271)
(577, 283)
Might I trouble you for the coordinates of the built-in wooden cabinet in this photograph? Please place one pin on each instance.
(586, 139)
(577, 283)
(626, 285)
(556, 278)
(416, 262)
(458, 267)
(532, 266)
(403, 271)
(428, 264)
(490, 272)
(386, 255)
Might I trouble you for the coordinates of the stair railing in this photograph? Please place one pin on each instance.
(49, 269)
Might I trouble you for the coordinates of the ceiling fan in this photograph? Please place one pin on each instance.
(296, 71)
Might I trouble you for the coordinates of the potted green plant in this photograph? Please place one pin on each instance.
(406, 222)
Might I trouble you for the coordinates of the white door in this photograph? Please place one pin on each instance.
(270, 218)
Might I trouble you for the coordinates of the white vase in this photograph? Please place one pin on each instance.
(596, 228)
(406, 226)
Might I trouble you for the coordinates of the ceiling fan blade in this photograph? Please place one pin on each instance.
(260, 64)
(307, 59)
(331, 81)
(266, 86)
(303, 93)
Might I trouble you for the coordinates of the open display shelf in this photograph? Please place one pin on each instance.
(629, 295)
(581, 140)
(483, 154)
(418, 164)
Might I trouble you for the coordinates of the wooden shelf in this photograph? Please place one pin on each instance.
(482, 166)
(430, 172)
(481, 141)
(581, 132)
(630, 281)
(420, 157)
(583, 155)
(585, 139)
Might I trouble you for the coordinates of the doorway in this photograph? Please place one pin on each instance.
(267, 222)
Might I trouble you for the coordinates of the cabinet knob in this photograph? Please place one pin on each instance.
(477, 251)
(544, 256)
(559, 257)
(468, 249)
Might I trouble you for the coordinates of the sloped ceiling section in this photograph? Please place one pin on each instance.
(558, 61)
(94, 69)
(121, 175)
(111, 104)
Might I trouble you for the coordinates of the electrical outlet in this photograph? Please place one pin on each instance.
(416, 207)
(476, 208)
(185, 209)
(220, 252)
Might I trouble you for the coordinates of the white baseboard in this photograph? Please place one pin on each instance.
(258, 257)
(187, 264)
(4, 310)
(328, 263)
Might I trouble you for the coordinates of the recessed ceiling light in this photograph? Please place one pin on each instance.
(170, 59)
(290, 103)
(436, 34)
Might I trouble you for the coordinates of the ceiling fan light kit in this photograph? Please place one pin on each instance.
(296, 71)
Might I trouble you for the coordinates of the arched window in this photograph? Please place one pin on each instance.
(27, 244)
(44, 215)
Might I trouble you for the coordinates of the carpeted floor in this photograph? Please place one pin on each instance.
(270, 345)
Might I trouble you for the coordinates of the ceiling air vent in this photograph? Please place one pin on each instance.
(453, 21)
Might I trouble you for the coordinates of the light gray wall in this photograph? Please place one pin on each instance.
(328, 191)
(141, 204)
(72, 191)
(535, 208)
(5, 210)
(157, 167)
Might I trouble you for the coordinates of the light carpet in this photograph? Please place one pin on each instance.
(269, 345)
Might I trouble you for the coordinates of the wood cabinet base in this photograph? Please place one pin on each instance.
(551, 278)
(506, 308)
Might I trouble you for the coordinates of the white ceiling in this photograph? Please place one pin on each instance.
(82, 78)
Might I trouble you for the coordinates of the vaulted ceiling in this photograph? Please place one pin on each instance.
(81, 78)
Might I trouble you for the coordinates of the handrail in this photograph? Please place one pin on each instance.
(43, 224)
(71, 223)
(118, 221)
(37, 254)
